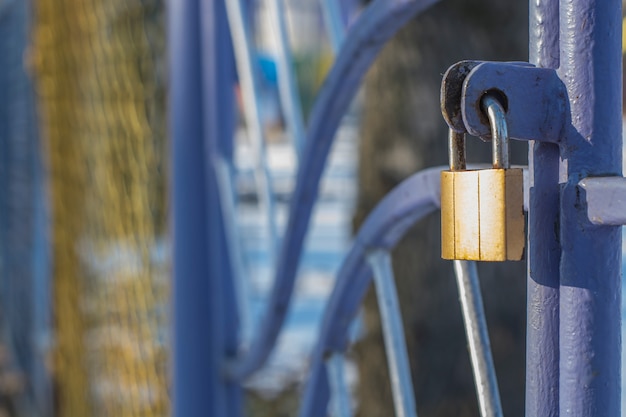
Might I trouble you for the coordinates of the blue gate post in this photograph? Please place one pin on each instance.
(219, 77)
(590, 281)
(544, 251)
(200, 100)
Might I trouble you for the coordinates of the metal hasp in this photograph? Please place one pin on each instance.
(573, 118)
(482, 214)
(204, 309)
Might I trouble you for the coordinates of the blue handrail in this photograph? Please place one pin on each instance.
(376, 25)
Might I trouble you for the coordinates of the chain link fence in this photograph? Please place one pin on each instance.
(99, 70)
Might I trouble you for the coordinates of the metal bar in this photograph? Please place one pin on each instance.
(287, 85)
(478, 339)
(606, 200)
(200, 93)
(393, 334)
(381, 20)
(543, 249)
(226, 189)
(340, 392)
(334, 23)
(197, 387)
(590, 268)
(244, 55)
(219, 123)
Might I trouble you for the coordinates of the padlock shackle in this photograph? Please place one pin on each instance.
(499, 131)
(456, 150)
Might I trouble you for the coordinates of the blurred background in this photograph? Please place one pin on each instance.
(85, 254)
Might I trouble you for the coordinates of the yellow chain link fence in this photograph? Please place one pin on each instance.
(99, 69)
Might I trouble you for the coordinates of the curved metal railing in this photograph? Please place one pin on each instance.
(404, 206)
(374, 27)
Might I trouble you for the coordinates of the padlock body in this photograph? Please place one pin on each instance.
(482, 216)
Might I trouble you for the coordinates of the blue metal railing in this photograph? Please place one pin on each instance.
(375, 26)
(287, 85)
(574, 283)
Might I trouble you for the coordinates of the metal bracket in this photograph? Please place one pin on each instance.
(606, 200)
(535, 99)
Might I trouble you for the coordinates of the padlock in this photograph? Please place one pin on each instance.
(482, 216)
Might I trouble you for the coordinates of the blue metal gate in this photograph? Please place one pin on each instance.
(567, 104)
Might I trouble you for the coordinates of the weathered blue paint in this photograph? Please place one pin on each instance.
(200, 97)
(376, 25)
(412, 200)
(606, 200)
(535, 106)
(581, 303)
(543, 247)
(590, 278)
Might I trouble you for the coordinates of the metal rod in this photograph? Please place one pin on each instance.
(543, 248)
(393, 334)
(590, 267)
(287, 85)
(478, 339)
(499, 131)
(251, 106)
(456, 150)
(340, 400)
(334, 23)
(225, 190)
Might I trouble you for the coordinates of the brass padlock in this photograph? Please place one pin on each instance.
(482, 216)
